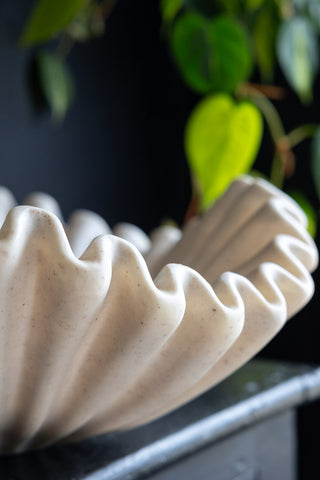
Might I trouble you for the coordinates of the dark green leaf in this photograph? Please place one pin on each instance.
(308, 209)
(213, 55)
(264, 36)
(56, 83)
(190, 47)
(221, 140)
(298, 54)
(211, 8)
(170, 8)
(48, 18)
(252, 5)
(315, 161)
(207, 8)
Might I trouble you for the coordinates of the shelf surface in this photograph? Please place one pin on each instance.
(255, 392)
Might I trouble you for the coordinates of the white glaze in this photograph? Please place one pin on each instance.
(93, 344)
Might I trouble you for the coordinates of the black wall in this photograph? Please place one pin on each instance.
(120, 148)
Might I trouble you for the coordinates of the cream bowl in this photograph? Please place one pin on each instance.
(106, 330)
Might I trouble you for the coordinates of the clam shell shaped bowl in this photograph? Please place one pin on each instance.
(101, 333)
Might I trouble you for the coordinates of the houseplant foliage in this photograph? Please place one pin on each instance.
(219, 47)
(53, 27)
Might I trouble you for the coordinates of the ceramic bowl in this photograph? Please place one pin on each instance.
(101, 333)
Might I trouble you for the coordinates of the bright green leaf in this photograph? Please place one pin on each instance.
(56, 83)
(170, 8)
(213, 55)
(221, 141)
(315, 161)
(48, 18)
(298, 54)
(308, 209)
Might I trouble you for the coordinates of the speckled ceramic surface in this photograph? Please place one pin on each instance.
(118, 337)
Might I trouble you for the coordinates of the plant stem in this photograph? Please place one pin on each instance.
(270, 91)
(67, 42)
(65, 45)
(276, 129)
(301, 133)
(106, 7)
(276, 173)
(269, 112)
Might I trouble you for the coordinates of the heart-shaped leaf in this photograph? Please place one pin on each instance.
(298, 54)
(212, 55)
(221, 141)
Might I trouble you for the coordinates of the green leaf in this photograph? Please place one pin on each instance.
(56, 83)
(170, 8)
(309, 9)
(298, 55)
(207, 8)
(315, 161)
(314, 13)
(264, 36)
(48, 18)
(221, 141)
(213, 55)
(308, 209)
(252, 5)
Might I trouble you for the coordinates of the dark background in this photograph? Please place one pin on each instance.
(120, 148)
(120, 151)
